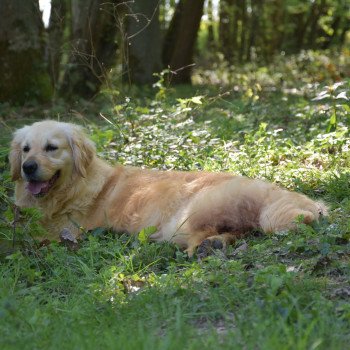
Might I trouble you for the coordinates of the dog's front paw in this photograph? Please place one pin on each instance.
(68, 240)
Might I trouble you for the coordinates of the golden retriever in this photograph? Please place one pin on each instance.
(56, 169)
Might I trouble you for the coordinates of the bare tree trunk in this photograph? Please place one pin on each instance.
(55, 38)
(243, 15)
(329, 38)
(180, 39)
(317, 11)
(93, 47)
(302, 27)
(263, 42)
(278, 25)
(300, 20)
(254, 28)
(142, 42)
(23, 73)
(344, 31)
(228, 28)
(165, 8)
(233, 44)
(211, 36)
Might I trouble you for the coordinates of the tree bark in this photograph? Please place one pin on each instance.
(329, 38)
(243, 15)
(23, 71)
(317, 10)
(278, 27)
(262, 41)
(228, 29)
(344, 31)
(93, 47)
(180, 40)
(301, 19)
(254, 28)
(142, 43)
(211, 36)
(55, 38)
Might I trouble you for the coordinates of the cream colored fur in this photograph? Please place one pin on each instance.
(186, 207)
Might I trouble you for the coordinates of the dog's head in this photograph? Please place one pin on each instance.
(49, 154)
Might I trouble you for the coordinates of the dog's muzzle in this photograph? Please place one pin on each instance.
(30, 167)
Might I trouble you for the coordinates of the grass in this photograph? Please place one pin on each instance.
(285, 291)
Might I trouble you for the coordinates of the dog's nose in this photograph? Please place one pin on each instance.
(29, 167)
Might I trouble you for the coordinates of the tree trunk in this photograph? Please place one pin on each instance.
(301, 19)
(278, 27)
(211, 36)
(180, 39)
(317, 10)
(262, 46)
(329, 38)
(233, 44)
(228, 28)
(23, 71)
(166, 7)
(254, 28)
(343, 33)
(142, 43)
(93, 47)
(243, 16)
(55, 40)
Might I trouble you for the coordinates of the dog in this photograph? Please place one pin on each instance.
(56, 169)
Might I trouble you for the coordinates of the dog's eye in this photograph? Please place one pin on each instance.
(26, 149)
(50, 148)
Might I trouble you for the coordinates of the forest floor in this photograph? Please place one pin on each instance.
(289, 290)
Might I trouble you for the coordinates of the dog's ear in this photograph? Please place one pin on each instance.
(15, 160)
(16, 153)
(83, 150)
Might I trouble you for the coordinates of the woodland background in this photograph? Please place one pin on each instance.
(91, 45)
(258, 88)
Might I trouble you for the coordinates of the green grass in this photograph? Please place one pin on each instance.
(285, 291)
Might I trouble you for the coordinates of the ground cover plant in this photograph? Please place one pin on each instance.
(286, 291)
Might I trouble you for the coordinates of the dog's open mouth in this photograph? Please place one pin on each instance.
(41, 188)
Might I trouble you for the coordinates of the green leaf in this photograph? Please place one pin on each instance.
(143, 236)
(99, 231)
(332, 126)
(197, 100)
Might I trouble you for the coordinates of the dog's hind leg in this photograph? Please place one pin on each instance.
(212, 243)
(207, 241)
(195, 239)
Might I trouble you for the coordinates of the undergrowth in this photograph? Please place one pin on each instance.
(285, 291)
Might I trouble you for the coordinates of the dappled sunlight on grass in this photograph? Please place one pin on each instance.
(290, 288)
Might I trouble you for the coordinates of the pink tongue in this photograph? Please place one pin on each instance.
(37, 187)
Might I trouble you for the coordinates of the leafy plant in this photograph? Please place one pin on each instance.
(337, 95)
